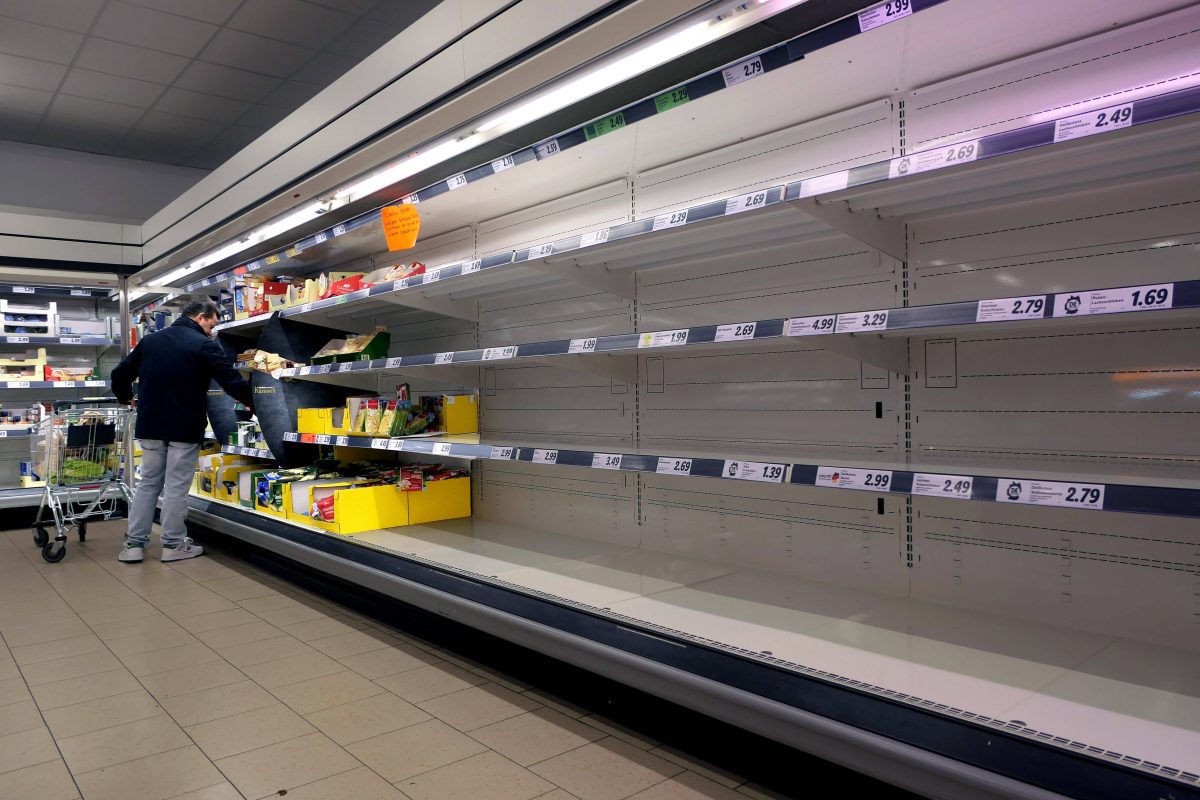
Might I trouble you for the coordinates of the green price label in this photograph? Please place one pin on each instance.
(671, 99)
(613, 122)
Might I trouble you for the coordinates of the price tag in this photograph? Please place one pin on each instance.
(456, 181)
(411, 199)
(545, 456)
(582, 346)
(732, 333)
(672, 220)
(871, 480)
(307, 307)
(305, 371)
(392, 363)
(810, 326)
(606, 461)
(443, 358)
(345, 366)
(80, 293)
(441, 449)
(1050, 493)
(674, 466)
(342, 441)
(338, 230)
(434, 275)
(501, 164)
(541, 251)
(395, 444)
(862, 321)
(324, 438)
(18, 384)
(595, 237)
(323, 369)
(66, 384)
(320, 237)
(823, 184)
(3, 434)
(499, 353)
(71, 340)
(741, 72)
(95, 383)
(663, 338)
(747, 202)
(883, 14)
(1093, 122)
(469, 267)
(18, 340)
(502, 453)
(754, 471)
(379, 444)
(1006, 308)
(544, 151)
(23, 290)
(948, 156)
(1113, 301)
(954, 486)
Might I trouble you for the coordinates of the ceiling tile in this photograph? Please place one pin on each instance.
(78, 136)
(116, 58)
(264, 116)
(110, 116)
(186, 130)
(171, 33)
(226, 81)
(71, 15)
(113, 88)
(229, 142)
(291, 21)
(214, 11)
(37, 41)
(30, 73)
(153, 147)
(324, 69)
(18, 126)
(25, 101)
(255, 53)
(362, 38)
(291, 95)
(201, 106)
(401, 15)
(355, 7)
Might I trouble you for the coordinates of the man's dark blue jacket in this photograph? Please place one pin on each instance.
(174, 368)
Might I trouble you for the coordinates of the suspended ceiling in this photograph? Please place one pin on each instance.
(185, 82)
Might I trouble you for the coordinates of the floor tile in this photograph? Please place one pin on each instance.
(48, 781)
(123, 614)
(621, 732)
(286, 765)
(487, 776)
(606, 770)
(185, 680)
(507, 681)
(322, 628)
(37, 632)
(557, 794)
(245, 655)
(145, 779)
(58, 648)
(80, 690)
(239, 733)
(272, 674)
(13, 690)
(197, 607)
(418, 748)
(326, 692)
(256, 631)
(149, 641)
(121, 743)
(536, 736)
(367, 718)
(478, 706)
(290, 614)
(217, 619)
(105, 712)
(389, 661)
(757, 792)
(688, 786)
(239, 587)
(222, 701)
(352, 643)
(171, 658)
(357, 784)
(222, 791)
(426, 683)
(26, 748)
(557, 703)
(257, 605)
(703, 768)
(21, 716)
(61, 669)
(120, 628)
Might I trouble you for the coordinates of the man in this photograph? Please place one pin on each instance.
(174, 368)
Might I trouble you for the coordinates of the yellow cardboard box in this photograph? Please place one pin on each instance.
(369, 508)
(460, 413)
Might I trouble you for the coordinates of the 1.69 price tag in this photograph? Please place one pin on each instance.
(1153, 297)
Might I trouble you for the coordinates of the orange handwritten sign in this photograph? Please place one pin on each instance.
(401, 224)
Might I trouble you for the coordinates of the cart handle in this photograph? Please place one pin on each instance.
(59, 405)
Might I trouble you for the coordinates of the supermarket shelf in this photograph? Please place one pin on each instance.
(79, 341)
(254, 452)
(246, 325)
(9, 432)
(53, 384)
(831, 686)
(52, 291)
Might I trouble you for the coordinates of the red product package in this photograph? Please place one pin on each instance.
(411, 480)
(323, 509)
(346, 286)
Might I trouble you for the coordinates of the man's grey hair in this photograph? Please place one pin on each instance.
(201, 308)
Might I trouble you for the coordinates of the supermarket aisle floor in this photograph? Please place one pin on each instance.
(210, 680)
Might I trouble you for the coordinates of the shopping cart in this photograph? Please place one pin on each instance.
(80, 448)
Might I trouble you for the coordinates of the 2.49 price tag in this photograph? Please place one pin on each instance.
(954, 486)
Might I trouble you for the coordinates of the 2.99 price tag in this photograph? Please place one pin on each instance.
(883, 14)
(545, 456)
(502, 453)
(872, 480)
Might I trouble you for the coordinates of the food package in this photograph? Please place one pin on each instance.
(411, 480)
(394, 273)
(323, 509)
(388, 418)
(263, 361)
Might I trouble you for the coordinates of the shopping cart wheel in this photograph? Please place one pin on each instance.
(81, 529)
(40, 536)
(54, 552)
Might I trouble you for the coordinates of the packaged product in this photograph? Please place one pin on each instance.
(389, 416)
(373, 417)
(323, 509)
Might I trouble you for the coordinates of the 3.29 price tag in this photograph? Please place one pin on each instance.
(862, 321)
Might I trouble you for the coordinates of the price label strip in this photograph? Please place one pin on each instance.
(1010, 308)
(862, 321)
(379, 444)
(545, 456)
(395, 444)
(441, 448)
(870, 480)
(443, 358)
(1050, 493)
(810, 326)
(754, 471)
(663, 338)
(734, 333)
(582, 346)
(747, 202)
(883, 14)
(957, 487)
(1093, 122)
(948, 156)
(1153, 297)
(499, 353)
(744, 71)
(606, 461)
(502, 453)
(672, 220)
(673, 466)
(541, 251)
(823, 184)
(594, 238)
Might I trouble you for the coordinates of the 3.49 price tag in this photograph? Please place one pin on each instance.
(606, 460)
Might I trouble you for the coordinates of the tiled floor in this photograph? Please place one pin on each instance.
(210, 680)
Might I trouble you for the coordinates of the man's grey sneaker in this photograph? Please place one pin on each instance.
(132, 553)
(185, 549)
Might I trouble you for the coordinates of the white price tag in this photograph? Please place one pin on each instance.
(291, 436)
(544, 151)
(80, 293)
(456, 181)
(95, 383)
(582, 346)
(871, 480)
(66, 384)
(545, 456)
(501, 164)
(747, 202)
(305, 371)
(18, 384)
(441, 449)
(320, 237)
(71, 340)
(823, 184)
(541, 251)
(394, 444)
(3, 434)
(23, 290)
(307, 307)
(743, 71)
(323, 369)
(469, 267)
(379, 444)
(674, 466)
(672, 220)
(1113, 301)
(954, 486)
(1006, 308)
(345, 366)
(499, 353)
(18, 340)
(883, 14)
(948, 156)
(338, 230)
(324, 438)
(342, 441)
(1093, 122)
(606, 461)
(663, 338)
(862, 321)
(443, 358)
(595, 237)
(502, 453)
(392, 363)
(810, 326)
(433, 276)
(410, 199)
(732, 333)
(1050, 493)
(754, 471)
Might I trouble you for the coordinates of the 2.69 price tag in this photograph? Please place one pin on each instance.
(673, 466)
